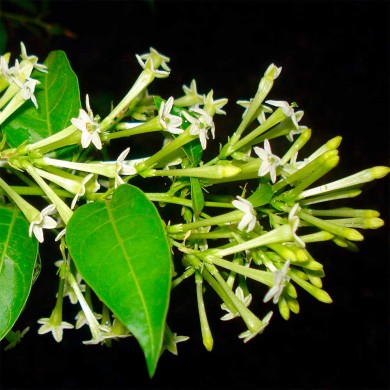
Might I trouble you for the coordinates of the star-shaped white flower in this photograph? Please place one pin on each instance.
(261, 111)
(287, 109)
(169, 122)
(50, 325)
(82, 189)
(299, 130)
(192, 92)
(32, 59)
(280, 278)
(249, 218)
(81, 319)
(148, 61)
(201, 125)
(269, 161)
(108, 333)
(248, 335)
(294, 220)
(122, 168)
(42, 221)
(89, 127)
(212, 105)
(171, 345)
(27, 89)
(245, 300)
(5, 71)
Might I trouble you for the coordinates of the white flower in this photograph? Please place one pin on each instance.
(201, 125)
(249, 218)
(293, 220)
(192, 93)
(269, 161)
(122, 168)
(287, 109)
(299, 130)
(42, 221)
(27, 89)
(109, 333)
(32, 59)
(90, 129)
(171, 344)
(81, 319)
(280, 278)
(50, 325)
(7, 72)
(81, 192)
(153, 58)
(248, 335)
(212, 105)
(170, 123)
(260, 112)
(245, 300)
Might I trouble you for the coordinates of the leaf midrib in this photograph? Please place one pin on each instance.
(120, 241)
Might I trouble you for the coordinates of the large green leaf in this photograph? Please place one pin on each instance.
(18, 253)
(58, 100)
(121, 250)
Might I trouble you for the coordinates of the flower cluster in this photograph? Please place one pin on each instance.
(243, 215)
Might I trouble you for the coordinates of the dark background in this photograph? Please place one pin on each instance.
(335, 59)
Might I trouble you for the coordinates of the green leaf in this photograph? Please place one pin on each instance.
(58, 100)
(18, 253)
(121, 250)
(262, 195)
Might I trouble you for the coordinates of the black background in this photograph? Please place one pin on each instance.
(335, 66)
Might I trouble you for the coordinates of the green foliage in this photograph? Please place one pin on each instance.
(121, 250)
(58, 100)
(18, 253)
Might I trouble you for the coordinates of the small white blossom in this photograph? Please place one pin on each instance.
(42, 221)
(211, 105)
(7, 72)
(280, 278)
(171, 344)
(299, 130)
(260, 112)
(287, 109)
(169, 122)
(81, 319)
(294, 220)
(82, 190)
(50, 325)
(89, 127)
(269, 161)
(109, 333)
(191, 92)
(32, 59)
(245, 300)
(148, 61)
(27, 89)
(201, 125)
(122, 168)
(248, 335)
(249, 218)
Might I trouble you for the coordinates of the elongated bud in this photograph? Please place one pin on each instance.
(361, 177)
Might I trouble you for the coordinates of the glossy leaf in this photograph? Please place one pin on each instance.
(58, 100)
(18, 253)
(121, 250)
